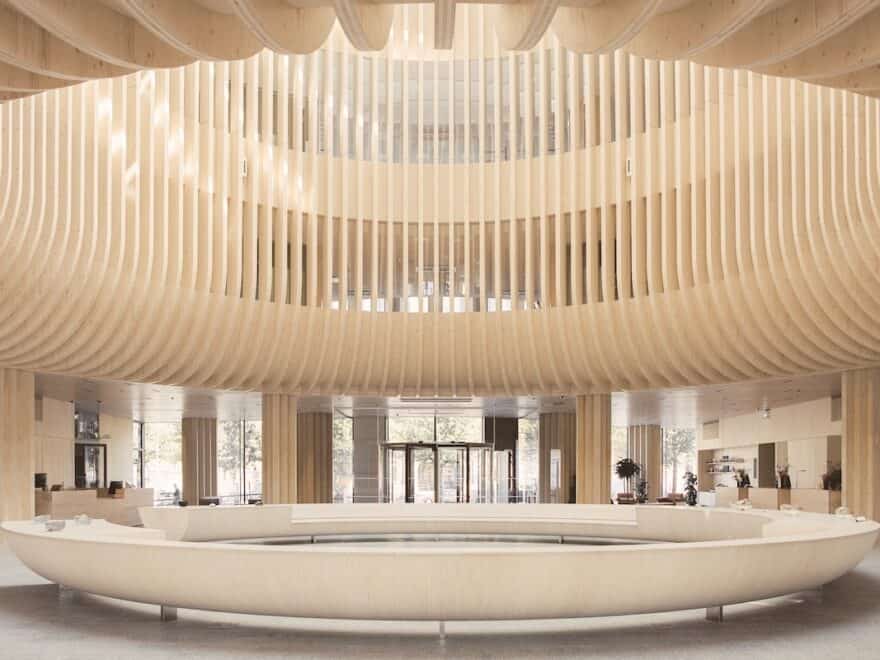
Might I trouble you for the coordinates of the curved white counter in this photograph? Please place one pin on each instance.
(704, 558)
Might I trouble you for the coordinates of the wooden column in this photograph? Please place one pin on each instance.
(16, 445)
(199, 458)
(557, 431)
(279, 449)
(593, 449)
(861, 442)
(314, 457)
(645, 447)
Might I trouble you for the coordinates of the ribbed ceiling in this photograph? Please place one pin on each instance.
(45, 44)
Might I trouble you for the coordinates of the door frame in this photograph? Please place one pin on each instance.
(409, 447)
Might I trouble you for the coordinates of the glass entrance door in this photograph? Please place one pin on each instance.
(437, 473)
(422, 465)
(453, 471)
(395, 474)
(479, 474)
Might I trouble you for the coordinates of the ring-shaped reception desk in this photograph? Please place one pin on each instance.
(447, 562)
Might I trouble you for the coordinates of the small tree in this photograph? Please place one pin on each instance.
(626, 469)
(690, 488)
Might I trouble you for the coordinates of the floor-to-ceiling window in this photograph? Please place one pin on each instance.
(619, 449)
(162, 460)
(343, 458)
(527, 458)
(137, 454)
(679, 457)
(239, 461)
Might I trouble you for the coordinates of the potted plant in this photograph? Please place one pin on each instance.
(642, 491)
(833, 479)
(626, 469)
(784, 478)
(742, 479)
(690, 488)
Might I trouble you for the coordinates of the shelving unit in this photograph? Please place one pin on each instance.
(711, 466)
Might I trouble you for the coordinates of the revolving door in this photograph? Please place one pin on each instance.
(445, 473)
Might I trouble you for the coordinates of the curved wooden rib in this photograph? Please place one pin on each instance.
(854, 48)
(84, 39)
(11, 96)
(603, 27)
(520, 26)
(101, 32)
(862, 81)
(26, 45)
(13, 79)
(285, 29)
(365, 24)
(743, 244)
(194, 30)
(444, 23)
(782, 33)
(687, 31)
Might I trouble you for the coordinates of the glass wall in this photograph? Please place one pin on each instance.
(162, 460)
(137, 453)
(460, 88)
(619, 449)
(343, 458)
(437, 458)
(527, 458)
(410, 429)
(679, 456)
(239, 461)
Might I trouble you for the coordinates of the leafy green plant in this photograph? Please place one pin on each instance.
(833, 479)
(626, 469)
(642, 491)
(690, 488)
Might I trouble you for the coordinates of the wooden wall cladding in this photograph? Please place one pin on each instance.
(614, 222)
(45, 44)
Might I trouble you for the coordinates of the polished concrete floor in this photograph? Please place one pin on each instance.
(38, 621)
